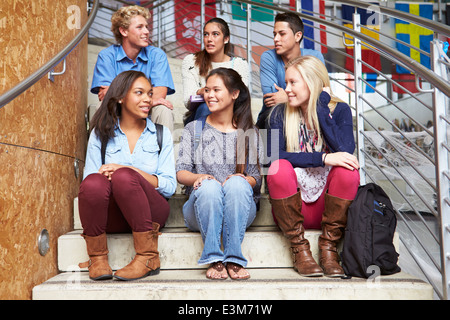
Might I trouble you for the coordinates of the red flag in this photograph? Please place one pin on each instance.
(188, 23)
(368, 56)
(406, 80)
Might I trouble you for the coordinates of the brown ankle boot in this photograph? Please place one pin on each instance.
(334, 221)
(146, 262)
(287, 211)
(97, 249)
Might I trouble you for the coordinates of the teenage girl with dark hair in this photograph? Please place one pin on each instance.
(216, 54)
(222, 173)
(128, 190)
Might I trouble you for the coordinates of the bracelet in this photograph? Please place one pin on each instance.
(323, 161)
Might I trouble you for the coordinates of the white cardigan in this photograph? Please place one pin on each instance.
(192, 81)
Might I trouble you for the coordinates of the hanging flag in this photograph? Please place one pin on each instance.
(314, 37)
(371, 22)
(414, 35)
(188, 26)
(406, 80)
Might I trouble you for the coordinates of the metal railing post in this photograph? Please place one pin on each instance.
(202, 22)
(249, 46)
(159, 25)
(359, 103)
(441, 143)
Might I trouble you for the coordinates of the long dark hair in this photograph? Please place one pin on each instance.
(202, 58)
(106, 118)
(242, 116)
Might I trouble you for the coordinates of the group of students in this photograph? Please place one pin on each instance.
(130, 168)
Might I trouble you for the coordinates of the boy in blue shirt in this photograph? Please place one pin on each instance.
(287, 36)
(133, 52)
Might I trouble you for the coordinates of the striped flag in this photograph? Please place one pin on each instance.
(314, 37)
(414, 35)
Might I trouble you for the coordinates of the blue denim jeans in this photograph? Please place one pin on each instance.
(221, 211)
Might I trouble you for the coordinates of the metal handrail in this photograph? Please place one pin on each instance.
(42, 71)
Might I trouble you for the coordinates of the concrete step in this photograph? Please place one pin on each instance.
(264, 284)
(179, 248)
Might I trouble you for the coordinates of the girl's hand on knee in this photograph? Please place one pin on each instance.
(198, 182)
(233, 175)
(108, 169)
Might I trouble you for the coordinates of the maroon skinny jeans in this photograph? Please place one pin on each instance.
(125, 203)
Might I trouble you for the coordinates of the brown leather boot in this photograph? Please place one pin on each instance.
(287, 211)
(146, 262)
(97, 249)
(334, 221)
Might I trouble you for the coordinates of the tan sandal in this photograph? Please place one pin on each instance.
(236, 268)
(219, 267)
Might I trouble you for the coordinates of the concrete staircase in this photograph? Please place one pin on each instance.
(270, 266)
(267, 252)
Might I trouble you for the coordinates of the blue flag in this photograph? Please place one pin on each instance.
(416, 36)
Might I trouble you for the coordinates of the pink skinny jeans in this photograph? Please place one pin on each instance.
(282, 183)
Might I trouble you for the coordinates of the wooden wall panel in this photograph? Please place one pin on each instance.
(36, 192)
(41, 133)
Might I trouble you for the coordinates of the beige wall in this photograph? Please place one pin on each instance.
(41, 133)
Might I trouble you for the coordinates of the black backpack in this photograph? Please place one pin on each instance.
(369, 234)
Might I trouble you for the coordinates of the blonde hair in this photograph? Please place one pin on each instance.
(315, 75)
(122, 18)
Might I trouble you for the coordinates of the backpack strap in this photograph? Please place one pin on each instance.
(159, 135)
(159, 138)
(198, 128)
